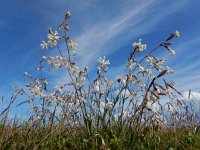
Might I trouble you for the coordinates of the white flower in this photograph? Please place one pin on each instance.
(103, 62)
(142, 87)
(126, 114)
(140, 68)
(74, 70)
(159, 64)
(27, 75)
(130, 64)
(79, 82)
(74, 52)
(58, 89)
(45, 82)
(72, 46)
(177, 117)
(172, 52)
(122, 80)
(139, 46)
(169, 70)
(161, 61)
(44, 57)
(96, 87)
(149, 60)
(44, 45)
(148, 72)
(139, 81)
(53, 38)
(109, 105)
(42, 94)
(82, 99)
(108, 85)
(52, 96)
(168, 92)
(35, 90)
(159, 119)
(177, 33)
(56, 62)
(67, 15)
(38, 117)
(171, 108)
(132, 79)
(148, 105)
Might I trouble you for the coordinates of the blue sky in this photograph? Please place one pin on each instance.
(100, 28)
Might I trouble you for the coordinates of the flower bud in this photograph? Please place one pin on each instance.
(67, 15)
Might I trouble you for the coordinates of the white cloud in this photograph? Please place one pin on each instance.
(193, 95)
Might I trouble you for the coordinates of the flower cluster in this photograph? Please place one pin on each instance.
(136, 91)
(35, 87)
(130, 64)
(139, 46)
(53, 38)
(56, 62)
(166, 44)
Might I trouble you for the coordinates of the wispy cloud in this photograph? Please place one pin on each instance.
(113, 27)
(106, 36)
(93, 41)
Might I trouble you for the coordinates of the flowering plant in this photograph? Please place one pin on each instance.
(132, 102)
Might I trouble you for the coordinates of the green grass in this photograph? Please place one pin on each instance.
(114, 138)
